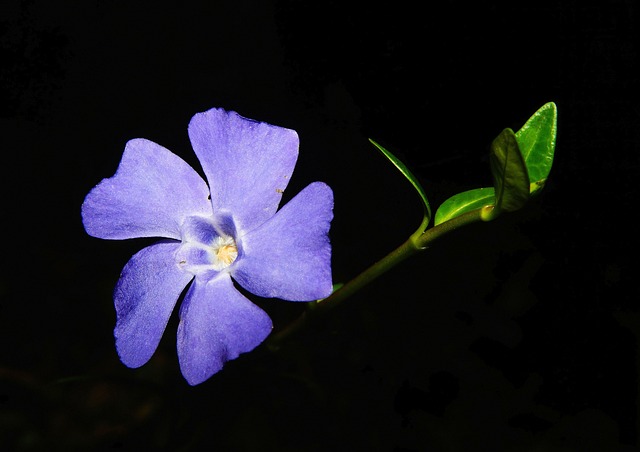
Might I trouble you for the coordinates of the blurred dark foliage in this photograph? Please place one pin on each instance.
(519, 335)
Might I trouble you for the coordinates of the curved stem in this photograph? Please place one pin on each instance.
(419, 241)
(486, 213)
(318, 308)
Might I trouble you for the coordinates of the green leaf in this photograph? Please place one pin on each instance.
(509, 171)
(410, 177)
(537, 142)
(464, 202)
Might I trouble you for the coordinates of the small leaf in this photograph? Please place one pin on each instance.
(464, 202)
(537, 142)
(410, 177)
(509, 172)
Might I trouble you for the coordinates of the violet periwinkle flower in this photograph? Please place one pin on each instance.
(230, 230)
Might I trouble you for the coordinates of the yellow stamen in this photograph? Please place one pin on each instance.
(227, 254)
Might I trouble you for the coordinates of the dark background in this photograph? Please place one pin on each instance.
(518, 335)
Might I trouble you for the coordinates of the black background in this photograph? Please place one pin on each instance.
(517, 335)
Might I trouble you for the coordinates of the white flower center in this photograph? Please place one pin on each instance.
(224, 253)
(206, 248)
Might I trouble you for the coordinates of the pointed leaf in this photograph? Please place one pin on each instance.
(509, 172)
(537, 142)
(410, 177)
(464, 202)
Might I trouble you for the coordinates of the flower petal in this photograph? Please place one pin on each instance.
(217, 323)
(289, 257)
(145, 295)
(151, 193)
(247, 163)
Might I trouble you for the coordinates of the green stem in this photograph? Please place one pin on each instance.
(486, 213)
(318, 308)
(419, 241)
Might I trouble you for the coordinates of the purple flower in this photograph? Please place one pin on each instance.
(231, 228)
